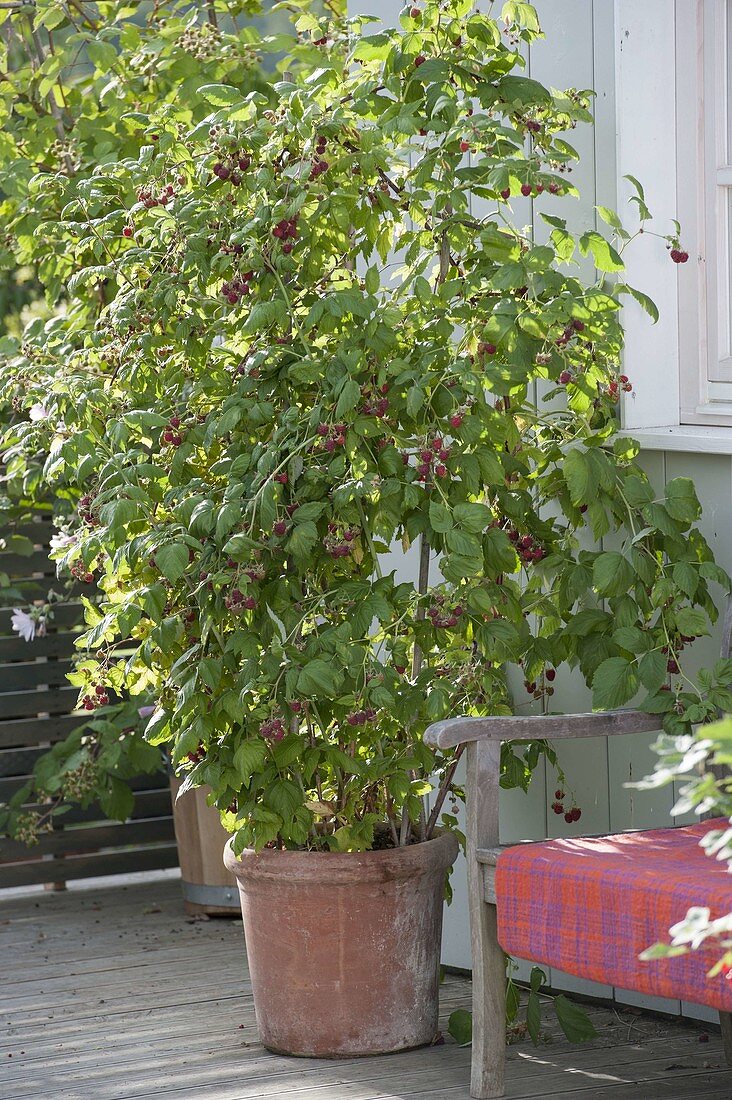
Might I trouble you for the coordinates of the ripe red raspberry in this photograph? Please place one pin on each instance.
(419, 60)
(672, 666)
(526, 189)
(565, 377)
(506, 193)
(576, 813)
(558, 807)
(127, 231)
(550, 674)
(280, 528)
(559, 795)
(464, 146)
(569, 817)
(456, 420)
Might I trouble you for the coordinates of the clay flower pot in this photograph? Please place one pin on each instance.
(344, 948)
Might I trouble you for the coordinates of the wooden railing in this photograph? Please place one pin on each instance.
(36, 711)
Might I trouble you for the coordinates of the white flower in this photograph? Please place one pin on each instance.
(24, 624)
(60, 541)
(38, 411)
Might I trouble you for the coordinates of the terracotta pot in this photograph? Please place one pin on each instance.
(344, 948)
(207, 885)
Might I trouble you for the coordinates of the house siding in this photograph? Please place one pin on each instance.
(581, 50)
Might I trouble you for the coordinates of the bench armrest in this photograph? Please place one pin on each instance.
(501, 727)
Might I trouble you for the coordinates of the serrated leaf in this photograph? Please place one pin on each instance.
(605, 257)
(681, 500)
(691, 622)
(172, 560)
(579, 475)
(614, 683)
(612, 573)
(440, 518)
(220, 95)
(349, 397)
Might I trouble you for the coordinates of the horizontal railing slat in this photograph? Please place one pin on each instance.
(50, 645)
(31, 674)
(30, 873)
(21, 704)
(16, 733)
(86, 840)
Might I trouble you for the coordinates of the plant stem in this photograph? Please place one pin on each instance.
(442, 792)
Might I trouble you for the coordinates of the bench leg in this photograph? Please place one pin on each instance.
(725, 1022)
(489, 962)
(489, 1003)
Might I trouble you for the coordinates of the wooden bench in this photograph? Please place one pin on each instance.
(482, 738)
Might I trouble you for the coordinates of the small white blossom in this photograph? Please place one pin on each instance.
(25, 625)
(38, 411)
(60, 541)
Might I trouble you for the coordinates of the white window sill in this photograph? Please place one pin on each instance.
(693, 438)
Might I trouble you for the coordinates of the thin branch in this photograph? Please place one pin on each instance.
(443, 792)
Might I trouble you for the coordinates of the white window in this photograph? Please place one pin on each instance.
(674, 126)
(704, 79)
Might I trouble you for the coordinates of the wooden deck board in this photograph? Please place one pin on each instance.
(110, 993)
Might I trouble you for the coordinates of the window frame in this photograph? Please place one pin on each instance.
(704, 187)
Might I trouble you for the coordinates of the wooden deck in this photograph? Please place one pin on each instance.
(110, 993)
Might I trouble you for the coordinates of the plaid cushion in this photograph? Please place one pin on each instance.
(589, 906)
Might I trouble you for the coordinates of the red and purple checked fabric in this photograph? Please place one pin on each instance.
(589, 906)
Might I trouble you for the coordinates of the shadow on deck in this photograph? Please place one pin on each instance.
(110, 993)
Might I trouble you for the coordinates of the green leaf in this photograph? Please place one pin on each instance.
(473, 517)
(440, 518)
(691, 622)
(652, 670)
(609, 216)
(220, 95)
(686, 577)
(533, 1017)
(117, 801)
(681, 500)
(579, 475)
(612, 574)
(172, 560)
(573, 1020)
(614, 683)
(349, 397)
(460, 1026)
(317, 678)
(249, 758)
(604, 255)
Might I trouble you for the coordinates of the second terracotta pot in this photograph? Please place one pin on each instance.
(344, 948)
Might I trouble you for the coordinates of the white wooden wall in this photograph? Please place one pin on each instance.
(581, 50)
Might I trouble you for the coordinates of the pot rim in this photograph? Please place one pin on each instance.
(429, 856)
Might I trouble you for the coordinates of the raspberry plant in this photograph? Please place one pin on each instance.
(303, 327)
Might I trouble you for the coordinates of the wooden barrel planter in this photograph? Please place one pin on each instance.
(208, 888)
